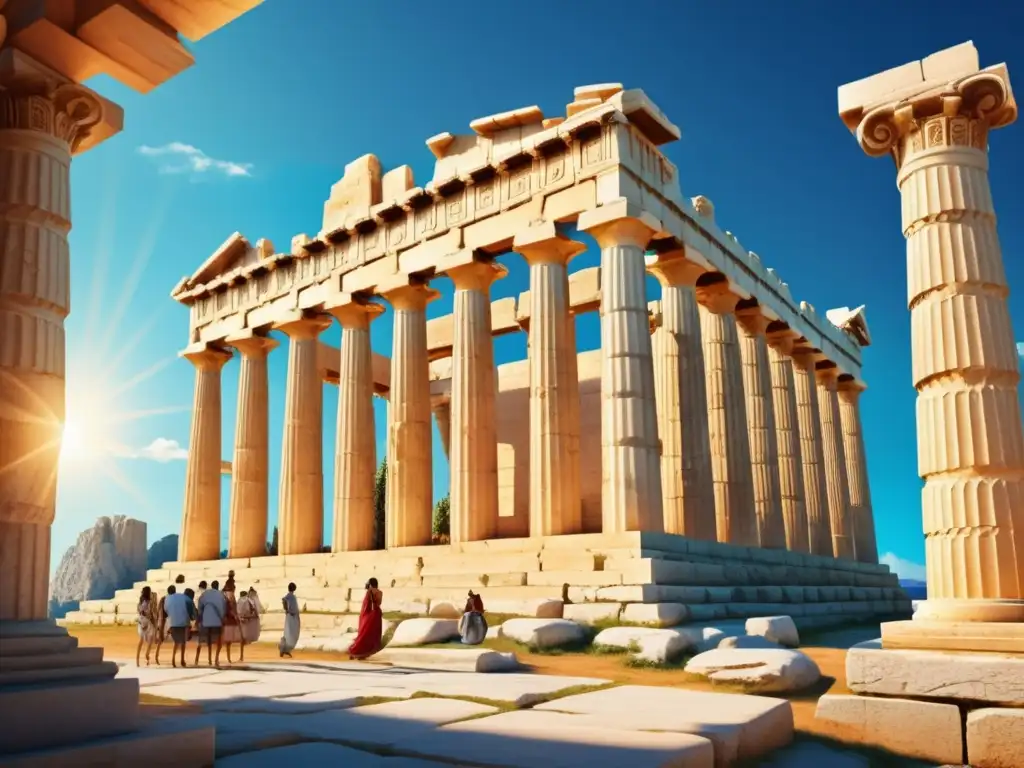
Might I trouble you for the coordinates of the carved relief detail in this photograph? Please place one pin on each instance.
(63, 110)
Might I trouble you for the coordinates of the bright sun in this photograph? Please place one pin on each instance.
(71, 440)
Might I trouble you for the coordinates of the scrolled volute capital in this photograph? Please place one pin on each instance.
(987, 96)
(878, 131)
(66, 111)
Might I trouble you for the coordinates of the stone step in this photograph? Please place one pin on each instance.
(41, 677)
(66, 712)
(36, 645)
(75, 657)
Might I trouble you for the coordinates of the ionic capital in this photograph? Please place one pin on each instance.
(542, 244)
(717, 298)
(352, 311)
(299, 325)
(205, 357)
(251, 345)
(412, 296)
(476, 275)
(620, 222)
(673, 269)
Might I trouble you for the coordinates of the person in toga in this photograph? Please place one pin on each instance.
(290, 638)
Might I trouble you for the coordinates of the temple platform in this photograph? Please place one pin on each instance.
(586, 577)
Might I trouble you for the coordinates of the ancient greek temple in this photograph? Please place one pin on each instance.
(720, 410)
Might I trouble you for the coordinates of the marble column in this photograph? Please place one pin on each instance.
(630, 448)
(857, 471)
(965, 363)
(474, 429)
(688, 492)
(200, 527)
(442, 409)
(819, 525)
(555, 506)
(791, 471)
(355, 456)
(727, 417)
(764, 441)
(301, 506)
(40, 128)
(410, 480)
(836, 487)
(250, 469)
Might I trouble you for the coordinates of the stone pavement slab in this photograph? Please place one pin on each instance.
(319, 754)
(529, 738)
(740, 727)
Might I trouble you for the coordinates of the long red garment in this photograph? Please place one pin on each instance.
(371, 626)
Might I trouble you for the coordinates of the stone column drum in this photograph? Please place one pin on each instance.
(727, 417)
(631, 453)
(442, 409)
(301, 506)
(355, 456)
(200, 528)
(965, 363)
(791, 470)
(837, 490)
(764, 441)
(819, 525)
(857, 472)
(40, 126)
(688, 492)
(410, 480)
(473, 514)
(555, 507)
(247, 530)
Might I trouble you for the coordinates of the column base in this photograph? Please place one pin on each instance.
(1001, 611)
(971, 636)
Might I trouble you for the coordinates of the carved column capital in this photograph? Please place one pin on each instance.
(251, 344)
(477, 275)
(827, 377)
(619, 223)
(206, 357)
(30, 102)
(352, 311)
(303, 325)
(751, 321)
(674, 269)
(717, 298)
(410, 296)
(542, 243)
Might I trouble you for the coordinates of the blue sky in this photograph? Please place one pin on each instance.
(280, 100)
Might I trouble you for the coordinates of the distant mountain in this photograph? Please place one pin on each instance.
(915, 589)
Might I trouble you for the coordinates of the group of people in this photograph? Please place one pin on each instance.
(215, 618)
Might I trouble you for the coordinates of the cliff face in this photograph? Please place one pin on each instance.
(109, 556)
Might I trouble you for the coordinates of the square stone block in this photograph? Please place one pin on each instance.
(919, 729)
(995, 738)
(993, 677)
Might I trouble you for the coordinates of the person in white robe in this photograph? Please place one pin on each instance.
(249, 609)
(290, 638)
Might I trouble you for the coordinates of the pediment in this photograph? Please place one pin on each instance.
(853, 321)
(235, 253)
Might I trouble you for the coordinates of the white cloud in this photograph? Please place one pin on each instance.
(905, 569)
(162, 450)
(177, 157)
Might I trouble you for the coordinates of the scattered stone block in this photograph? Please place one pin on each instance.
(445, 609)
(762, 670)
(451, 660)
(778, 629)
(591, 613)
(424, 632)
(652, 644)
(656, 614)
(543, 633)
(989, 677)
(541, 608)
(995, 738)
(747, 641)
(920, 729)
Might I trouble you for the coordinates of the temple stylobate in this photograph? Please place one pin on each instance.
(727, 410)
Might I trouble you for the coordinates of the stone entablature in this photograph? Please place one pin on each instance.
(501, 182)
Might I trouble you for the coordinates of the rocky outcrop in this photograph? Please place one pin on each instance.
(109, 556)
(162, 551)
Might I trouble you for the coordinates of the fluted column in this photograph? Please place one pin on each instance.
(301, 506)
(764, 442)
(200, 527)
(791, 472)
(555, 506)
(688, 493)
(727, 417)
(39, 130)
(631, 451)
(857, 472)
(410, 481)
(250, 469)
(819, 525)
(474, 429)
(443, 416)
(355, 456)
(836, 487)
(965, 363)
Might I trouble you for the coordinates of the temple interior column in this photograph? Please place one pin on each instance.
(819, 525)
(727, 417)
(764, 445)
(410, 444)
(247, 531)
(791, 471)
(555, 506)
(301, 507)
(836, 486)
(473, 513)
(688, 493)
(857, 471)
(631, 450)
(355, 458)
(442, 410)
(200, 528)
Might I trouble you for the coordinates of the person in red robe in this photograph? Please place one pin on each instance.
(371, 624)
